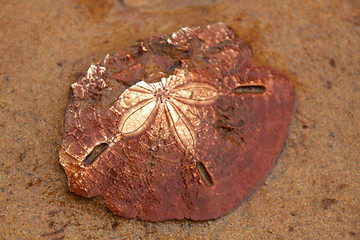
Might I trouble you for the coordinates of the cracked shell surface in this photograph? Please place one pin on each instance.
(184, 126)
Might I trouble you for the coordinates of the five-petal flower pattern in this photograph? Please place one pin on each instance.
(168, 99)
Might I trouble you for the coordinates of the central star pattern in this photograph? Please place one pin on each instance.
(173, 96)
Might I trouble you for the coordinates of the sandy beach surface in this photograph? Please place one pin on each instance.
(314, 190)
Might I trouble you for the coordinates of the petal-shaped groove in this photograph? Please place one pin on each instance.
(250, 88)
(204, 174)
(180, 126)
(142, 87)
(138, 118)
(96, 151)
(195, 93)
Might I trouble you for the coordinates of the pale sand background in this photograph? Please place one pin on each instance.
(314, 190)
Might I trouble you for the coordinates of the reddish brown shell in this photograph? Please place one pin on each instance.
(184, 126)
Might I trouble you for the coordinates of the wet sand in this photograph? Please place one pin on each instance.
(313, 191)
